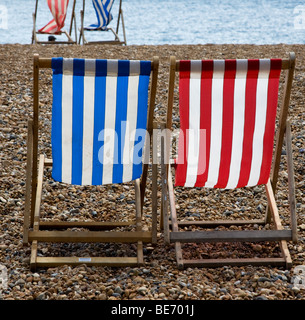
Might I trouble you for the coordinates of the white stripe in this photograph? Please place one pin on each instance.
(88, 121)
(194, 124)
(59, 8)
(67, 100)
(53, 8)
(260, 121)
(110, 115)
(131, 120)
(216, 123)
(238, 122)
(109, 5)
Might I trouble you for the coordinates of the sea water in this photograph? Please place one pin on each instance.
(156, 22)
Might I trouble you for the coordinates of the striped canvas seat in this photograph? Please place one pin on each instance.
(99, 119)
(227, 116)
(58, 9)
(102, 9)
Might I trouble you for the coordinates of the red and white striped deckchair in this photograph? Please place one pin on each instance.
(227, 112)
(59, 10)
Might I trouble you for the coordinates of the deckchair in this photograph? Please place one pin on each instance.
(54, 27)
(104, 17)
(99, 116)
(227, 123)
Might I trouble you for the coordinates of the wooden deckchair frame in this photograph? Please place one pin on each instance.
(279, 234)
(116, 40)
(36, 230)
(69, 40)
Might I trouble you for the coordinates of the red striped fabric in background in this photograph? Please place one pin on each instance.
(227, 122)
(58, 9)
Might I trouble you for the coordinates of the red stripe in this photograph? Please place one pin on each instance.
(49, 28)
(273, 86)
(250, 109)
(205, 122)
(227, 123)
(184, 98)
(59, 17)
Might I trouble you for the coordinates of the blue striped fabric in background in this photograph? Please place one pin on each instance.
(102, 10)
(99, 119)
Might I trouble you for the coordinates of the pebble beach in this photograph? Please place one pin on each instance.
(159, 278)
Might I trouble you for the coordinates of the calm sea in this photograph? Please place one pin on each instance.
(175, 21)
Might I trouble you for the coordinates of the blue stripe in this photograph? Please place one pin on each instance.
(120, 121)
(142, 119)
(99, 120)
(56, 136)
(77, 120)
(145, 68)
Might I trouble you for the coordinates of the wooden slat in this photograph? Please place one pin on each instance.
(89, 236)
(105, 42)
(83, 224)
(212, 263)
(230, 236)
(286, 64)
(89, 261)
(216, 223)
(47, 63)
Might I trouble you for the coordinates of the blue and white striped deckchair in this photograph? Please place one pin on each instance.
(102, 9)
(101, 119)
(104, 17)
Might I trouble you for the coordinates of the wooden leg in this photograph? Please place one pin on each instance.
(154, 195)
(174, 218)
(164, 195)
(139, 220)
(34, 246)
(123, 26)
(277, 223)
(29, 168)
(291, 187)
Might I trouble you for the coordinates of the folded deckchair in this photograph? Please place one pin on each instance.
(228, 113)
(104, 17)
(54, 27)
(100, 120)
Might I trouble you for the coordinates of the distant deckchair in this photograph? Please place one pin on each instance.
(99, 116)
(54, 27)
(104, 17)
(227, 122)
